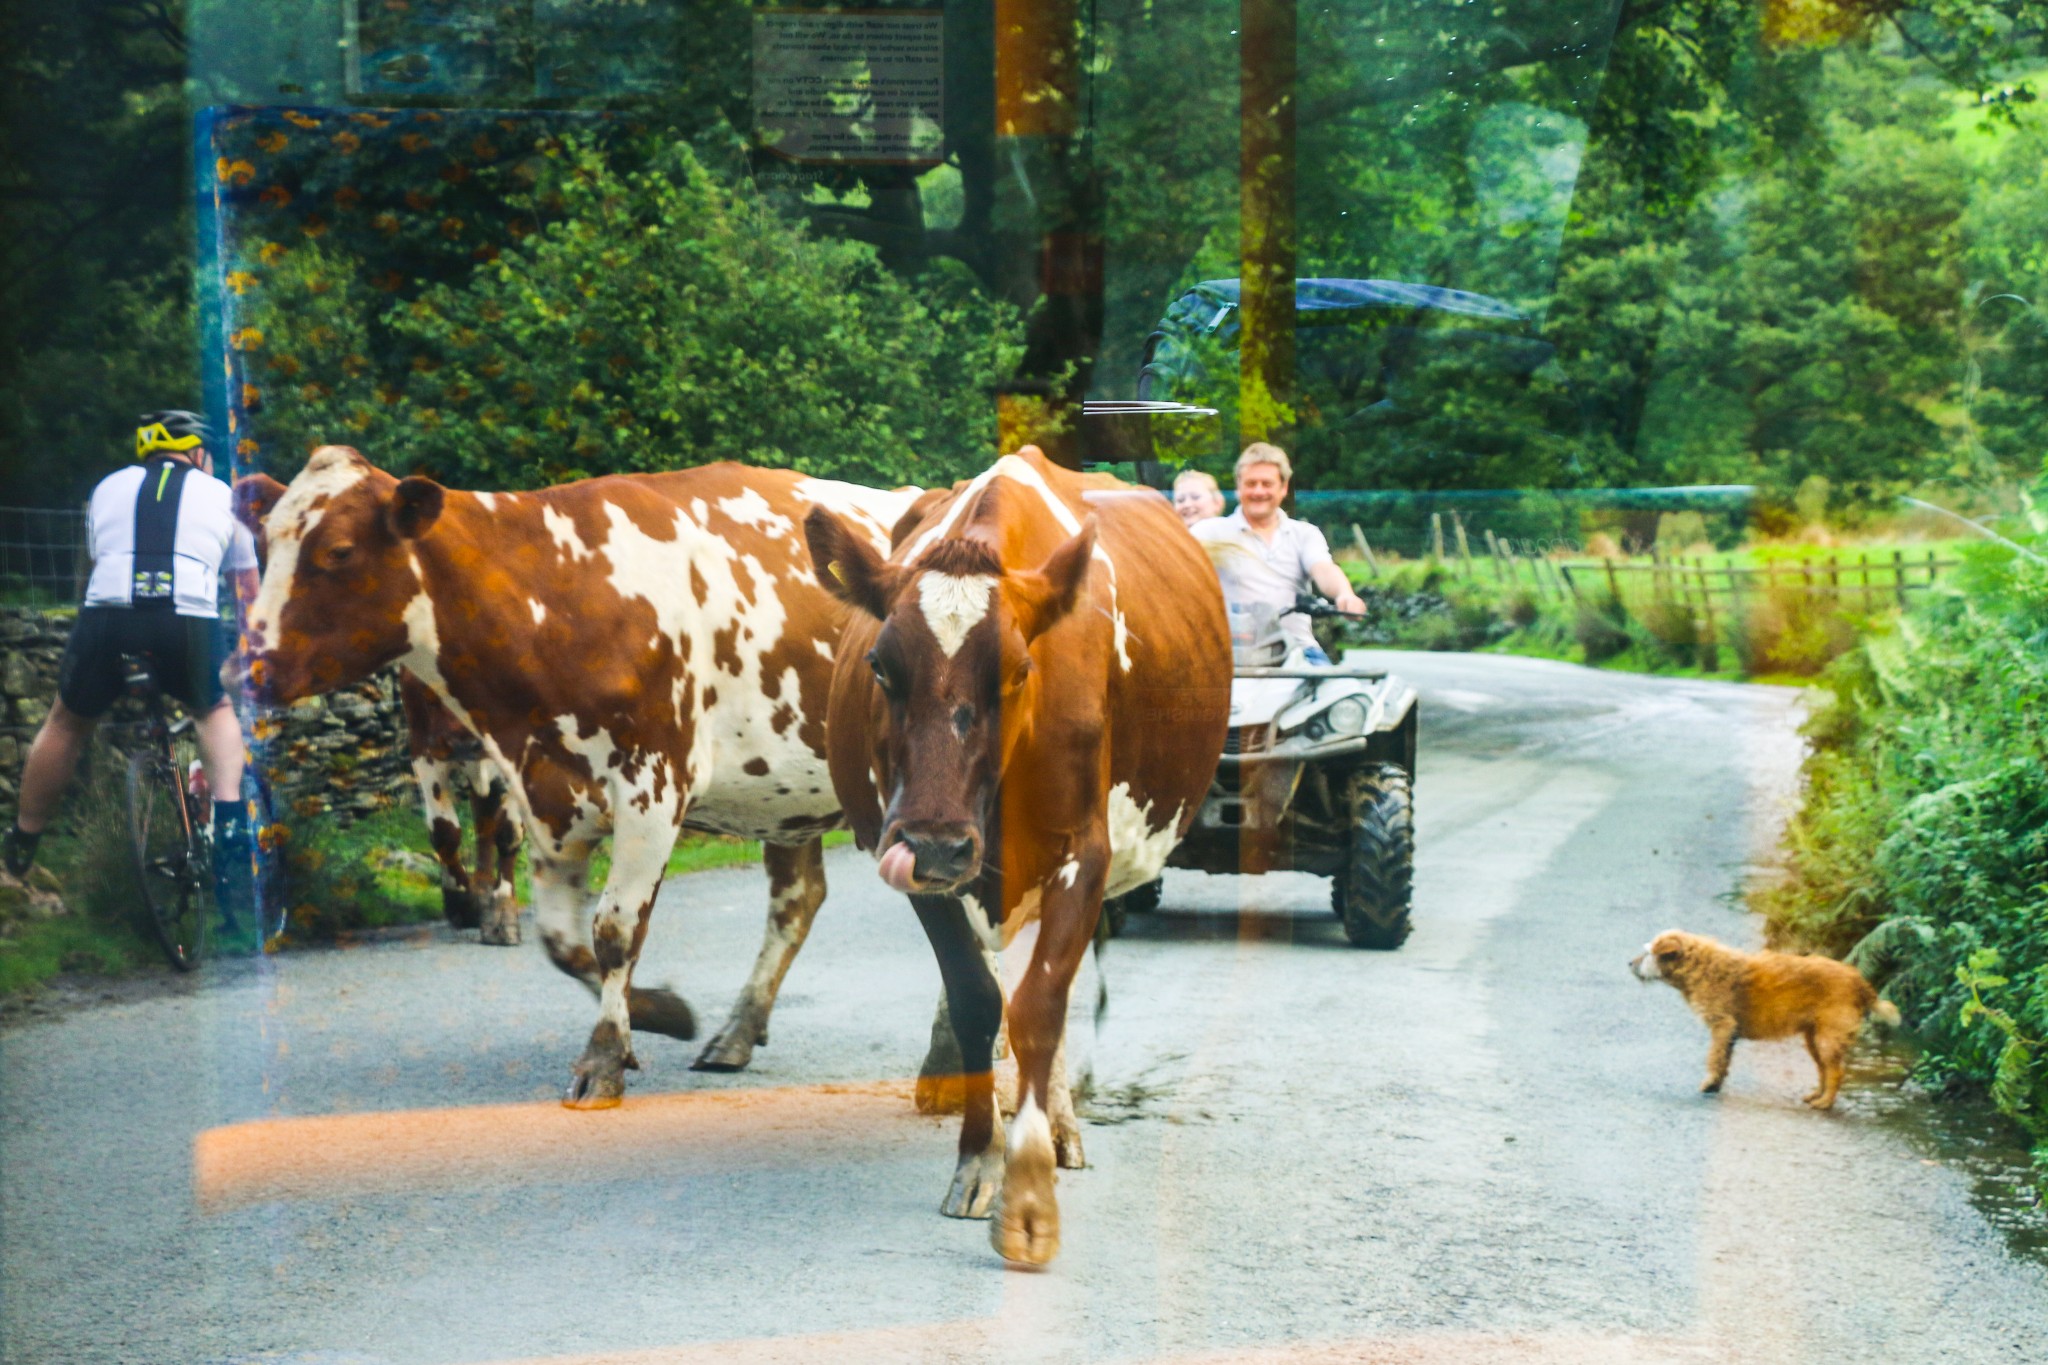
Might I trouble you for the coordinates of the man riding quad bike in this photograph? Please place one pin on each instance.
(1319, 762)
(1317, 775)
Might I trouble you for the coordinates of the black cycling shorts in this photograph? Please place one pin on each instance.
(184, 653)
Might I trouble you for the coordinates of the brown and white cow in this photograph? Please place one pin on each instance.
(636, 653)
(448, 760)
(1027, 711)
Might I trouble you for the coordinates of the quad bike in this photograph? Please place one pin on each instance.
(1317, 775)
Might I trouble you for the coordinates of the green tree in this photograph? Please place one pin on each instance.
(663, 317)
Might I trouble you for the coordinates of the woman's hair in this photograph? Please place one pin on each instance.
(1264, 452)
(1200, 477)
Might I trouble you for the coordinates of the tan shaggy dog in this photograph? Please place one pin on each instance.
(1766, 995)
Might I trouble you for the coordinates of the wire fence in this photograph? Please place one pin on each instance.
(43, 556)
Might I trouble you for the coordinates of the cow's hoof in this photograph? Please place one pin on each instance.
(944, 1093)
(598, 1080)
(976, 1183)
(1066, 1145)
(459, 908)
(1025, 1228)
(656, 1010)
(500, 924)
(730, 1049)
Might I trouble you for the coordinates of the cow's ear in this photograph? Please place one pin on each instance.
(255, 495)
(414, 507)
(847, 565)
(1048, 593)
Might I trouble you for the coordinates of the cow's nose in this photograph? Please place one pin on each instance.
(942, 859)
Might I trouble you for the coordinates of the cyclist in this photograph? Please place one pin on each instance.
(1267, 558)
(160, 533)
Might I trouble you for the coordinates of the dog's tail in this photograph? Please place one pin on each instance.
(1885, 1012)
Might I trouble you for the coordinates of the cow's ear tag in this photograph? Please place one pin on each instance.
(415, 506)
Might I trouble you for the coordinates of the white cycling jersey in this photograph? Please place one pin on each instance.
(205, 538)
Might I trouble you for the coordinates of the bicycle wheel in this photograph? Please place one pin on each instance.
(168, 839)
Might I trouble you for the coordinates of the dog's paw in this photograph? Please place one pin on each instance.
(1710, 1087)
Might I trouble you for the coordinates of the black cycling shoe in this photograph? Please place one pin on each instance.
(21, 850)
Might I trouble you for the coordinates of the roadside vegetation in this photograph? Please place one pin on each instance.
(1921, 853)
(80, 913)
(1766, 609)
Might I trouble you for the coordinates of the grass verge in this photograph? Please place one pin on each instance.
(374, 873)
(1921, 851)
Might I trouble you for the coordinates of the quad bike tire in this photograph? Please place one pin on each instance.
(1373, 892)
(1117, 910)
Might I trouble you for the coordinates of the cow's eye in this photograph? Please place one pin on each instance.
(337, 555)
(881, 673)
(963, 720)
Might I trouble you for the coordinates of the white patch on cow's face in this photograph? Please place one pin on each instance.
(487, 501)
(1069, 870)
(1018, 469)
(326, 477)
(824, 650)
(540, 611)
(563, 529)
(1137, 851)
(954, 604)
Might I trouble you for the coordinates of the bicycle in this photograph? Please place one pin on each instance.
(170, 829)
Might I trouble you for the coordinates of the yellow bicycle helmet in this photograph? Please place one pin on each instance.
(172, 429)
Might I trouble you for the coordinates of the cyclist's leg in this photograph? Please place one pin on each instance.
(88, 680)
(51, 761)
(219, 732)
(187, 659)
(188, 666)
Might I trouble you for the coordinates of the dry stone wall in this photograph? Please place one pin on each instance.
(344, 753)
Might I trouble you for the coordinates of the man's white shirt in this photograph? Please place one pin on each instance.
(208, 538)
(1256, 571)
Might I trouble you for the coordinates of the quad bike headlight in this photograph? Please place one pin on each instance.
(1348, 716)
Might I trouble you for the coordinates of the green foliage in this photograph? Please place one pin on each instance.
(663, 317)
(373, 873)
(86, 853)
(1923, 843)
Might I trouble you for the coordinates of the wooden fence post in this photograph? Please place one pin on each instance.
(1365, 548)
(1899, 577)
(1436, 535)
(1710, 644)
(1464, 547)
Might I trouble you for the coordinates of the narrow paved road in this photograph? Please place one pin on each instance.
(1484, 1147)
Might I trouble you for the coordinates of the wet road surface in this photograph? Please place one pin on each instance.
(1484, 1147)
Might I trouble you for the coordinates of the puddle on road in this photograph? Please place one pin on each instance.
(1966, 1134)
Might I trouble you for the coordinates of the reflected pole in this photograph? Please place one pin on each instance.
(1266, 238)
(1047, 228)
